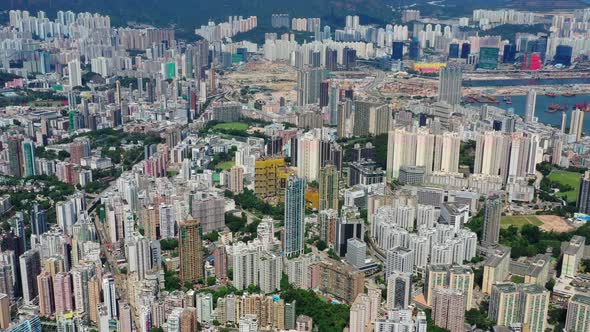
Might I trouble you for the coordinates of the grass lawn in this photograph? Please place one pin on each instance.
(231, 126)
(519, 221)
(568, 178)
(226, 165)
(517, 279)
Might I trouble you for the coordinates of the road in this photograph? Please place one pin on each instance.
(111, 261)
(371, 88)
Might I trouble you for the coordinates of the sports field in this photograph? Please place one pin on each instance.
(231, 126)
(520, 221)
(226, 165)
(567, 178)
(547, 223)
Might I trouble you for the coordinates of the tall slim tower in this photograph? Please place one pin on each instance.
(577, 123)
(29, 163)
(563, 121)
(75, 73)
(118, 96)
(15, 156)
(449, 84)
(583, 202)
(46, 299)
(531, 102)
(308, 85)
(109, 295)
(491, 222)
(190, 245)
(294, 216)
(328, 187)
(30, 268)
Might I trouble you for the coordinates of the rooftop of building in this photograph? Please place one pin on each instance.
(584, 299)
(508, 287)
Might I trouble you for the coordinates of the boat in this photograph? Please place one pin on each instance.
(551, 94)
(585, 107)
(482, 99)
(569, 94)
(556, 107)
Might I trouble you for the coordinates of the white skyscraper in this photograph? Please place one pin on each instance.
(531, 102)
(75, 73)
(110, 298)
(577, 123)
(308, 157)
(270, 272)
(246, 260)
(399, 259)
(167, 222)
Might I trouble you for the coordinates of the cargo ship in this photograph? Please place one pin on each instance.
(551, 94)
(569, 94)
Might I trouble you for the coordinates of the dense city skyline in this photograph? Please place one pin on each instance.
(342, 167)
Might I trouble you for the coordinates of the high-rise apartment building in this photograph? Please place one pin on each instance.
(190, 247)
(578, 313)
(577, 124)
(491, 223)
(328, 188)
(531, 103)
(62, 288)
(583, 202)
(572, 256)
(308, 85)
(75, 73)
(270, 178)
(30, 268)
(526, 304)
(420, 147)
(450, 82)
(29, 162)
(308, 157)
(15, 156)
(209, 210)
(294, 216)
(371, 118)
(109, 296)
(236, 180)
(448, 309)
(495, 268)
(4, 312)
(340, 280)
(399, 290)
(462, 278)
(534, 303)
(46, 299)
(399, 259)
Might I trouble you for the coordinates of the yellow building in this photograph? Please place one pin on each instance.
(270, 178)
(312, 199)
